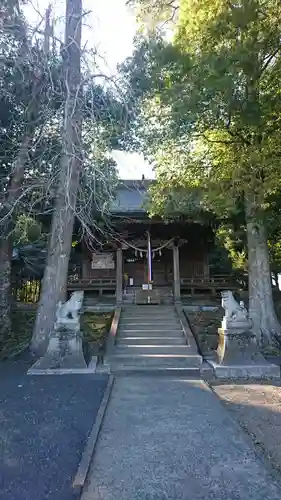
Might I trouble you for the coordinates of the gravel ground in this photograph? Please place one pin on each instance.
(44, 425)
(257, 407)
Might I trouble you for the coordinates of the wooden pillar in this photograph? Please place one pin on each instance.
(86, 261)
(176, 262)
(206, 265)
(119, 275)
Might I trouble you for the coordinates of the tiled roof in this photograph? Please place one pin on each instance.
(130, 197)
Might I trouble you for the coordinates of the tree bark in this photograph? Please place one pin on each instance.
(5, 288)
(54, 285)
(6, 242)
(261, 307)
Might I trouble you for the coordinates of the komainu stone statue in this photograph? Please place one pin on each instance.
(67, 314)
(65, 350)
(237, 353)
(235, 314)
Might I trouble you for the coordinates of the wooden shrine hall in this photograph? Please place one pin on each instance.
(147, 259)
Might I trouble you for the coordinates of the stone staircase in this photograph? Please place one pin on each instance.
(150, 339)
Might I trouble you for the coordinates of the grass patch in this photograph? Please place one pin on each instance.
(94, 327)
(205, 326)
(22, 327)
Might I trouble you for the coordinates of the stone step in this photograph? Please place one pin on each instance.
(148, 319)
(145, 312)
(151, 340)
(150, 328)
(148, 349)
(151, 333)
(141, 310)
(128, 370)
(152, 321)
(147, 306)
(157, 360)
(149, 324)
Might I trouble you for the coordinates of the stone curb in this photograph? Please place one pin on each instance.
(111, 337)
(255, 371)
(89, 449)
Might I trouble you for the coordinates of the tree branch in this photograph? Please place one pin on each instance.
(269, 59)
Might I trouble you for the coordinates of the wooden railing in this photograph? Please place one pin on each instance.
(214, 283)
(190, 284)
(91, 284)
(28, 290)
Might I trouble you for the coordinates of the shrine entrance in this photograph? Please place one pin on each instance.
(147, 255)
(136, 269)
(148, 265)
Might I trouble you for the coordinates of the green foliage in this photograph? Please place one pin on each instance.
(18, 340)
(95, 328)
(210, 116)
(154, 14)
(235, 244)
(273, 218)
(27, 230)
(205, 325)
(207, 112)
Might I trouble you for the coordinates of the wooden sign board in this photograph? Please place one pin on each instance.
(103, 261)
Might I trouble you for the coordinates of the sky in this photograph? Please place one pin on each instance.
(110, 26)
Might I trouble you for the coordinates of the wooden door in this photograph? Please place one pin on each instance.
(136, 270)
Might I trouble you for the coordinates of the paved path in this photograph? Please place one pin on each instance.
(44, 425)
(173, 439)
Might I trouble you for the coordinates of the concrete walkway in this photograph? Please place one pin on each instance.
(166, 438)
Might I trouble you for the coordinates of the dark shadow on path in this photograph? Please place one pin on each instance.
(44, 425)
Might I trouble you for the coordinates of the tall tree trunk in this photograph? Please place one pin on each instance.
(261, 307)
(5, 288)
(55, 276)
(7, 219)
(12, 196)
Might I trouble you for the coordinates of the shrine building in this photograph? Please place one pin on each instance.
(146, 259)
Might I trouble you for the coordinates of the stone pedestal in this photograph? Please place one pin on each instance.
(71, 325)
(238, 355)
(63, 356)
